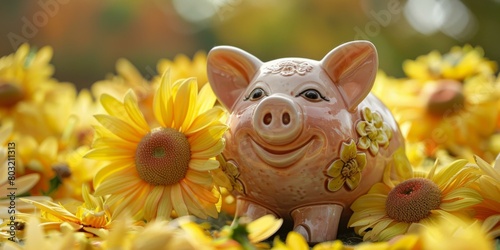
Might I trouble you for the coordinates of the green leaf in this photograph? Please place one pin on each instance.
(54, 185)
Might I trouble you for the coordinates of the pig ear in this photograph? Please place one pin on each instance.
(229, 71)
(352, 67)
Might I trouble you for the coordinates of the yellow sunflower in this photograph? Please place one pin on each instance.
(453, 233)
(74, 170)
(91, 216)
(390, 208)
(78, 126)
(458, 64)
(447, 102)
(489, 186)
(20, 184)
(295, 241)
(153, 171)
(29, 95)
(128, 77)
(35, 238)
(444, 114)
(22, 75)
(182, 67)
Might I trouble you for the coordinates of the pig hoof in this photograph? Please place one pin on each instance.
(317, 223)
(303, 230)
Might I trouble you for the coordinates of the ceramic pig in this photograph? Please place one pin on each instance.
(306, 138)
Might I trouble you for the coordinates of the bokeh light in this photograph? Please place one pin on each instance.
(88, 37)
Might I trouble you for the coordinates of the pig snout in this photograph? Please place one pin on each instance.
(277, 120)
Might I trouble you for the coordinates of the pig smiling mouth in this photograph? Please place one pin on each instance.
(281, 158)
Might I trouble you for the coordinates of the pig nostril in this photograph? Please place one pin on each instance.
(285, 118)
(268, 118)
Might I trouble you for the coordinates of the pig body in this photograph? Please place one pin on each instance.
(305, 138)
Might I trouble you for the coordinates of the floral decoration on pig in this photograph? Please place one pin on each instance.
(373, 130)
(347, 169)
(288, 68)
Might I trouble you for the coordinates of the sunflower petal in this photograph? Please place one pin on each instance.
(178, 200)
(198, 177)
(48, 148)
(5, 131)
(460, 198)
(127, 203)
(263, 227)
(486, 167)
(207, 138)
(363, 221)
(368, 201)
(211, 152)
(54, 209)
(110, 154)
(382, 225)
(165, 204)
(116, 184)
(113, 107)
(119, 128)
(135, 114)
(109, 169)
(162, 101)
(491, 222)
(206, 99)
(446, 175)
(203, 165)
(113, 142)
(152, 201)
(203, 193)
(185, 104)
(23, 184)
(380, 188)
(192, 203)
(296, 241)
(205, 119)
(399, 228)
(126, 69)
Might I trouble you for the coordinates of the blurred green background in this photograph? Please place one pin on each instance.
(88, 36)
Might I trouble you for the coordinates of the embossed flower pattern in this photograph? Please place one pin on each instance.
(373, 131)
(347, 169)
(232, 173)
(288, 68)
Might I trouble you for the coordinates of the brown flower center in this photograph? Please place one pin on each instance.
(412, 200)
(62, 170)
(10, 94)
(162, 156)
(447, 98)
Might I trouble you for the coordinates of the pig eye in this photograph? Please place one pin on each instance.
(256, 94)
(312, 95)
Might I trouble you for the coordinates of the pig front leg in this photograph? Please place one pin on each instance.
(317, 223)
(248, 208)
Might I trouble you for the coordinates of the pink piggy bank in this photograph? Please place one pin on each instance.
(306, 138)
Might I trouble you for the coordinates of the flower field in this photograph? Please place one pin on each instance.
(135, 163)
